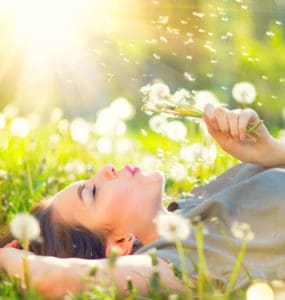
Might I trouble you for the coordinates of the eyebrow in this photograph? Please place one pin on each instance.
(79, 191)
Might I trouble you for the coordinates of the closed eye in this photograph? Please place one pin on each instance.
(94, 190)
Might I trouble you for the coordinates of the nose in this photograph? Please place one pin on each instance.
(107, 172)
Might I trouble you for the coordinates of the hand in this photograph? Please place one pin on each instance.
(228, 128)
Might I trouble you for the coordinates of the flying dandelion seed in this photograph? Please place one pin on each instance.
(20, 127)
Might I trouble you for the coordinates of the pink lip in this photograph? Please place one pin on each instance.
(134, 170)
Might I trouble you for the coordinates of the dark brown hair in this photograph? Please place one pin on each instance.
(60, 239)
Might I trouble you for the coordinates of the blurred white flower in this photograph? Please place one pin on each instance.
(259, 291)
(3, 175)
(124, 145)
(197, 151)
(203, 97)
(122, 109)
(20, 127)
(156, 92)
(63, 126)
(25, 227)
(150, 162)
(2, 121)
(178, 172)
(176, 130)
(172, 227)
(181, 95)
(158, 124)
(79, 130)
(56, 114)
(10, 111)
(242, 231)
(107, 123)
(75, 166)
(105, 145)
(244, 92)
(54, 138)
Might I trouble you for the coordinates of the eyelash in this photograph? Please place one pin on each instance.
(94, 190)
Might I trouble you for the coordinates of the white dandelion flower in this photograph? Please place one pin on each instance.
(181, 95)
(105, 145)
(122, 109)
(260, 291)
(158, 124)
(172, 227)
(178, 172)
(176, 130)
(242, 230)
(20, 127)
(25, 227)
(244, 92)
(156, 92)
(204, 97)
(79, 130)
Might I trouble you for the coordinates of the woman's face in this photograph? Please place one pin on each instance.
(125, 199)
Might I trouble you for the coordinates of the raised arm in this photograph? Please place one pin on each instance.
(54, 277)
(228, 128)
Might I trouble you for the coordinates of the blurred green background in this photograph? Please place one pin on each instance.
(80, 55)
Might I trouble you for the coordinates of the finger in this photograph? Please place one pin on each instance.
(209, 111)
(233, 121)
(248, 115)
(220, 114)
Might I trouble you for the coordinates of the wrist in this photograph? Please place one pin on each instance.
(275, 154)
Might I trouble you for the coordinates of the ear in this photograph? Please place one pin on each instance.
(125, 245)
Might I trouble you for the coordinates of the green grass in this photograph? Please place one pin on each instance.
(36, 168)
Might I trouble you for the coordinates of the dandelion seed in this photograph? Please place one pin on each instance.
(79, 129)
(172, 227)
(189, 76)
(25, 227)
(260, 291)
(20, 127)
(242, 231)
(244, 92)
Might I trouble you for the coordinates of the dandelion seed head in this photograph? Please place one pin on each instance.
(79, 130)
(158, 124)
(10, 111)
(204, 97)
(56, 114)
(172, 227)
(260, 291)
(156, 92)
(25, 227)
(181, 95)
(122, 109)
(20, 127)
(178, 172)
(244, 92)
(176, 130)
(242, 230)
(105, 145)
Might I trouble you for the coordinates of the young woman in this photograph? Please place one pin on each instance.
(117, 208)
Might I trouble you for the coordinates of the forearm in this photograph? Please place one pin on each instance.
(55, 277)
(274, 155)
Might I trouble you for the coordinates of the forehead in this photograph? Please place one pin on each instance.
(67, 203)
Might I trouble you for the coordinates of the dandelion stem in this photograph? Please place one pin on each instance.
(236, 268)
(185, 276)
(30, 182)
